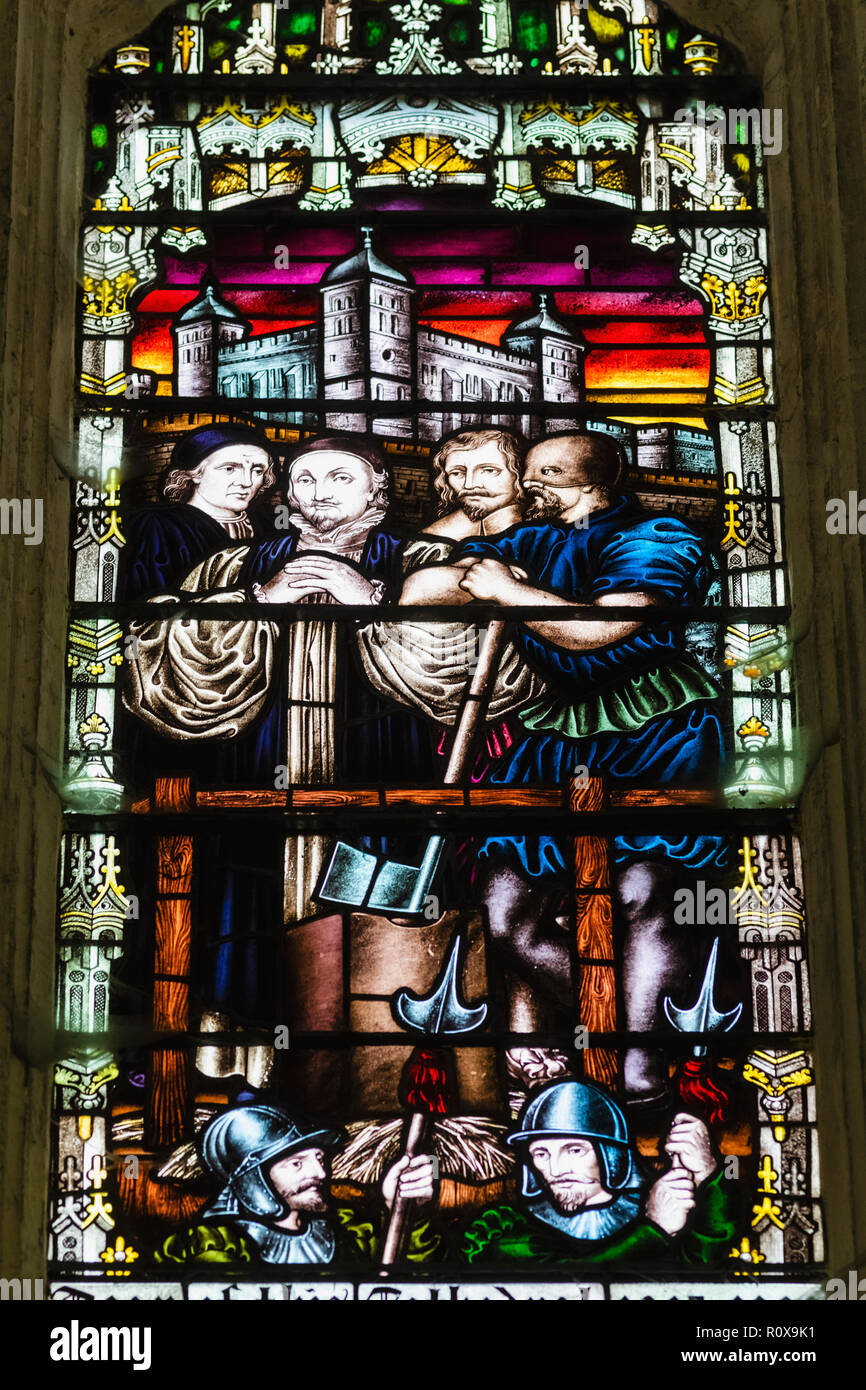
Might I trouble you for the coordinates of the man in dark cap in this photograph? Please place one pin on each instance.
(622, 700)
(274, 1203)
(583, 1199)
(211, 494)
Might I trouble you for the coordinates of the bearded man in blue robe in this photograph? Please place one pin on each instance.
(621, 699)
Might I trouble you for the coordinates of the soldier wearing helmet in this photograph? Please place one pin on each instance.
(584, 1200)
(274, 1201)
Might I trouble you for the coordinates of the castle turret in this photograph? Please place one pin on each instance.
(367, 337)
(558, 357)
(199, 331)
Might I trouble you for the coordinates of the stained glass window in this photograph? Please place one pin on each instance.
(430, 904)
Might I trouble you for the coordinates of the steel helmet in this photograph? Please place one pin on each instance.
(239, 1144)
(575, 1110)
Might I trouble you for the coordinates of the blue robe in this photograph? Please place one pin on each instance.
(636, 711)
(167, 540)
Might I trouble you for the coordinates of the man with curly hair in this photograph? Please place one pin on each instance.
(476, 476)
(215, 491)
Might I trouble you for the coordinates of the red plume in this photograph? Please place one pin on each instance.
(697, 1086)
(426, 1082)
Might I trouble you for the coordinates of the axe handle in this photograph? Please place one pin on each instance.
(400, 1210)
(475, 702)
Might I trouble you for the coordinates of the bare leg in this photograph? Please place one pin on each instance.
(533, 949)
(656, 957)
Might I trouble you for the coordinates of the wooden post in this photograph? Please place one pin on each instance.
(594, 933)
(168, 1105)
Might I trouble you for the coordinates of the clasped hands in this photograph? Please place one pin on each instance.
(491, 581)
(317, 574)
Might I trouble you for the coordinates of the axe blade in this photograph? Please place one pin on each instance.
(347, 877)
(397, 888)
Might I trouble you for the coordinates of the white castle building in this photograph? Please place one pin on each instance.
(366, 344)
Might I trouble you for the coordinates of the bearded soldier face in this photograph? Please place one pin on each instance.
(301, 1180)
(570, 1171)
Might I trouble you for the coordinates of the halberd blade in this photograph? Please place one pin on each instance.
(442, 1011)
(703, 1016)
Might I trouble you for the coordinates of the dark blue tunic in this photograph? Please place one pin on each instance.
(637, 711)
(165, 541)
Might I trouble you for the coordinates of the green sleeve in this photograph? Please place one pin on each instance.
(367, 1241)
(504, 1233)
(715, 1226)
(637, 1243)
(499, 1233)
(204, 1245)
(706, 1241)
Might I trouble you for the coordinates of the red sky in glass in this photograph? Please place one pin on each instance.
(642, 328)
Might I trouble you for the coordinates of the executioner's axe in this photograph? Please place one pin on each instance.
(355, 878)
(695, 1082)
(441, 1013)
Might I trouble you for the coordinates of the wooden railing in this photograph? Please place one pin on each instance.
(169, 1100)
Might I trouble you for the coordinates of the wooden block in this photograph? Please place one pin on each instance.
(478, 1080)
(600, 1064)
(313, 976)
(516, 796)
(168, 1098)
(591, 867)
(373, 1016)
(250, 799)
(170, 1006)
(588, 795)
(314, 798)
(424, 796)
(174, 864)
(594, 926)
(668, 796)
(315, 1080)
(377, 1071)
(386, 957)
(173, 794)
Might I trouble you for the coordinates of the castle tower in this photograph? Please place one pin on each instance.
(652, 443)
(367, 338)
(199, 331)
(558, 358)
